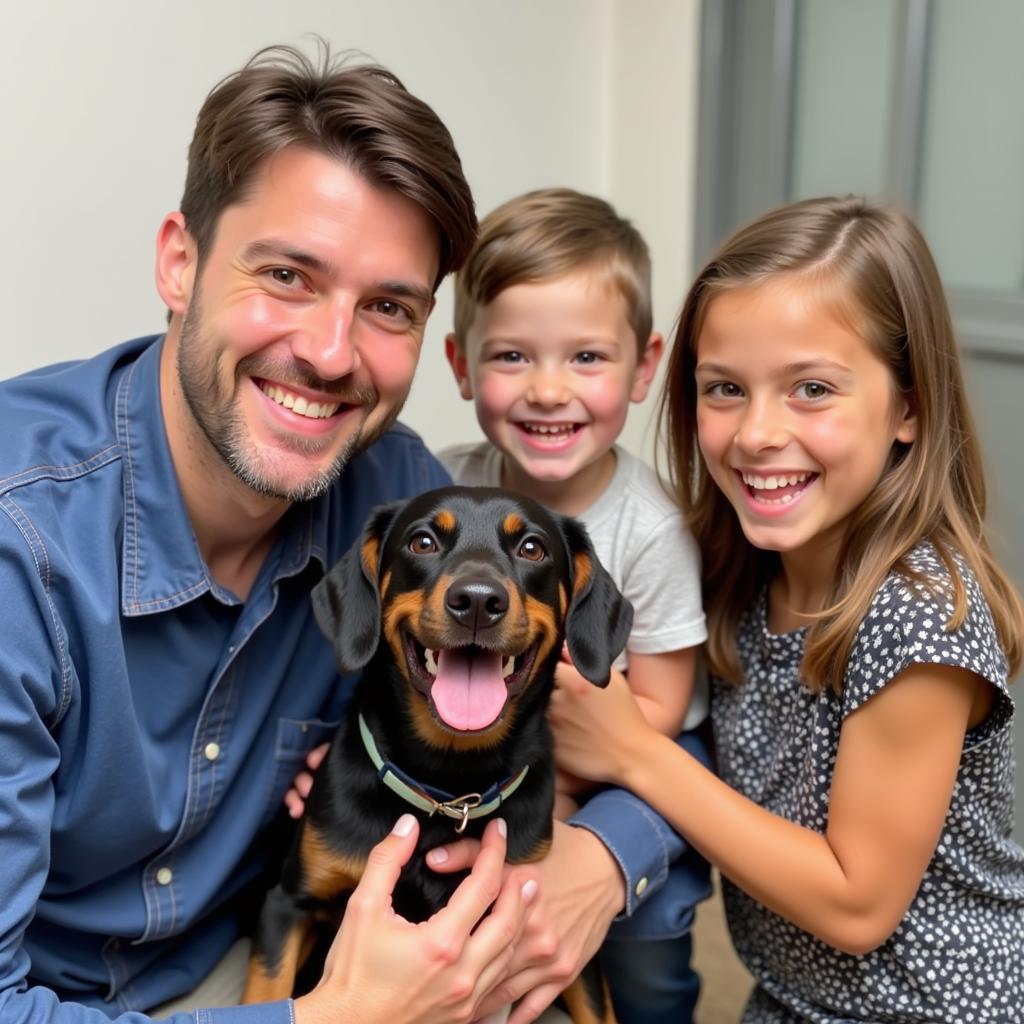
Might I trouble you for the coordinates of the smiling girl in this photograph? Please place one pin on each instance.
(861, 633)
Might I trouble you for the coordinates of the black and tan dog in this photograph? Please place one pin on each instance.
(457, 603)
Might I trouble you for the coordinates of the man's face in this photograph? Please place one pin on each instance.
(302, 332)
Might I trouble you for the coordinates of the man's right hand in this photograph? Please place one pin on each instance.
(383, 970)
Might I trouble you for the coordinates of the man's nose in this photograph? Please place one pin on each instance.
(328, 342)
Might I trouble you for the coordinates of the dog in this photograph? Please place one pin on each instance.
(455, 604)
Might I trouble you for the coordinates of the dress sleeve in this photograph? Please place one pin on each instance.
(907, 624)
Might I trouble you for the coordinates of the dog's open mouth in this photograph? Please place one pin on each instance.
(468, 685)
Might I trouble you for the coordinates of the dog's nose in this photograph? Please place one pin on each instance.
(476, 602)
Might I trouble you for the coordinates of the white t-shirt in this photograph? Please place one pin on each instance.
(640, 539)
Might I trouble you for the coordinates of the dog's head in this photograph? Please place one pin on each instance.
(470, 592)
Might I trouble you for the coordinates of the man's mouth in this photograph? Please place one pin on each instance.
(298, 404)
(776, 488)
(468, 686)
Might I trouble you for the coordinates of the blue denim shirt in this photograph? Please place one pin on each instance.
(149, 720)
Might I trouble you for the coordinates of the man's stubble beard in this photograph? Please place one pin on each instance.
(223, 427)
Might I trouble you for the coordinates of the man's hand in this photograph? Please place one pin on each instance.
(383, 970)
(581, 891)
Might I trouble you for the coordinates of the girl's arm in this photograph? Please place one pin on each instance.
(895, 770)
(662, 685)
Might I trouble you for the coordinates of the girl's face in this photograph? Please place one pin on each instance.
(796, 417)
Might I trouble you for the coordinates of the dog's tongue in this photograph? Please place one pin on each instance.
(469, 689)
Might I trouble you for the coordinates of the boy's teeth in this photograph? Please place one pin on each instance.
(549, 428)
(772, 483)
(430, 661)
(509, 667)
(298, 404)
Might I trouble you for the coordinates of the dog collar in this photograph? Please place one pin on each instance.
(437, 801)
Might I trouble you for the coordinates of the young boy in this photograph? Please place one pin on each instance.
(552, 342)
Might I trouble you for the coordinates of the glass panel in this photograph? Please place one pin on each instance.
(843, 85)
(972, 177)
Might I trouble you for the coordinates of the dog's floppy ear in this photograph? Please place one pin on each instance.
(346, 602)
(597, 624)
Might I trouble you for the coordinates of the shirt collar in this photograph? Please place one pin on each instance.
(162, 567)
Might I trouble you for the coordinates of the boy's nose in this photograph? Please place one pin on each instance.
(327, 342)
(547, 390)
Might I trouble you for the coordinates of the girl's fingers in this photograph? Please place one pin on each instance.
(482, 886)
(384, 865)
(457, 856)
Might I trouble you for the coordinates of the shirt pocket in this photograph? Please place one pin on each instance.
(296, 737)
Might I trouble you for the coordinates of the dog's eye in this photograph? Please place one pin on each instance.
(422, 544)
(532, 550)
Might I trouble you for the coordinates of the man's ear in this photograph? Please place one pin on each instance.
(456, 356)
(176, 259)
(646, 367)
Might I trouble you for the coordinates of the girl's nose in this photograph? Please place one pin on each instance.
(763, 425)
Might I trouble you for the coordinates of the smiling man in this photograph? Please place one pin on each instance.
(165, 508)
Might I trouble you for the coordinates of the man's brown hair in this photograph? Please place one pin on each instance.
(360, 114)
(551, 232)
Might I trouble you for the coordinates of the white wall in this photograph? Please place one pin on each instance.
(100, 99)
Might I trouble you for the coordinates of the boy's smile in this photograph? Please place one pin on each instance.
(552, 367)
(796, 416)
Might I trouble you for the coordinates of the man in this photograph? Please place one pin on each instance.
(167, 506)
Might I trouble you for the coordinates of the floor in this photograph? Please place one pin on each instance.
(725, 983)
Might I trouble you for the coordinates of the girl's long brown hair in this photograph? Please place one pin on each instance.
(877, 264)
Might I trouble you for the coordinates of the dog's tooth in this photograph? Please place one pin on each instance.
(509, 667)
(430, 660)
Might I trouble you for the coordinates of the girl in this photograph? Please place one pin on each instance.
(860, 633)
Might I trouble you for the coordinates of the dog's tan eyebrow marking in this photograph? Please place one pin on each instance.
(512, 524)
(445, 520)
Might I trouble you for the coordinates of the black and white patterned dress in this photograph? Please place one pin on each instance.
(957, 957)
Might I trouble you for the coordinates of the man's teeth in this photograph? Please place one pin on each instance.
(430, 663)
(771, 483)
(298, 404)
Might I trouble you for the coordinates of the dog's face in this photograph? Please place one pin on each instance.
(469, 592)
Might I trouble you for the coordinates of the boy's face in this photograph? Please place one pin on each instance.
(552, 367)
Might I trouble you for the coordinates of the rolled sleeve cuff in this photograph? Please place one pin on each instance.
(637, 837)
(281, 1012)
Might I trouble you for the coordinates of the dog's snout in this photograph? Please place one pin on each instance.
(477, 602)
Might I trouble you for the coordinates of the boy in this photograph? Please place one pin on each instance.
(553, 342)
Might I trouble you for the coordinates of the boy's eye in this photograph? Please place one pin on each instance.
(510, 357)
(588, 358)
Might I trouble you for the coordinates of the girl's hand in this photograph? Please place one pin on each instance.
(597, 732)
(383, 970)
(295, 798)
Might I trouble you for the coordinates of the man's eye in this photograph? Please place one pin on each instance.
(392, 310)
(532, 550)
(285, 276)
(422, 544)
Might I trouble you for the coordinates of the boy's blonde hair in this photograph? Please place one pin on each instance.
(546, 234)
(874, 266)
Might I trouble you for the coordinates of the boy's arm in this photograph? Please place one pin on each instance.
(662, 684)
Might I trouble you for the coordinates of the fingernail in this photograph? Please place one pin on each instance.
(438, 856)
(502, 828)
(529, 890)
(404, 825)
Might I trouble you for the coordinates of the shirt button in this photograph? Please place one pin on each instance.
(164, 876)
(212, 751)
(641, 887)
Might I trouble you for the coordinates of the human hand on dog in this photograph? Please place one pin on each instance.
(581, 891)
(295, 798)
(598, 733)
(382, 969)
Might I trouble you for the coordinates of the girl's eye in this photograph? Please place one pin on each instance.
(422, 544)
(532, 550)
(813, 390)
(723, 389)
